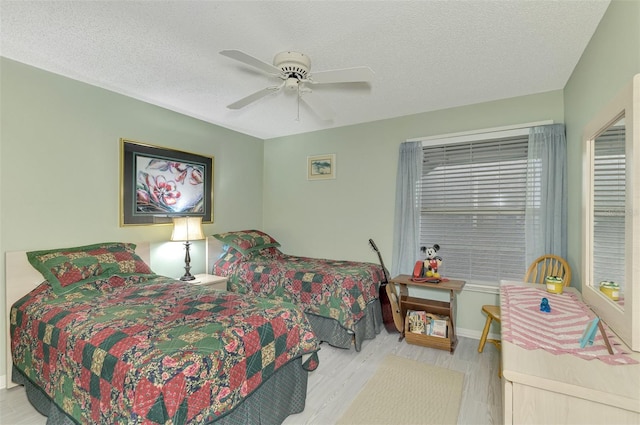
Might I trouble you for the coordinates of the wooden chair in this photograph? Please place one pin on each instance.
(543, 266)
(548, 265)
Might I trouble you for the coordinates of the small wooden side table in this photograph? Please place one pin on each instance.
(405, 302)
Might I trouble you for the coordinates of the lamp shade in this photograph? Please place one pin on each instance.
(187, 229)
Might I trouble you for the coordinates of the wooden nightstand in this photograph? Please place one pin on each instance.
(218, 282)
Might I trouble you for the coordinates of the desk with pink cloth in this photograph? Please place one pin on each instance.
(547, 377)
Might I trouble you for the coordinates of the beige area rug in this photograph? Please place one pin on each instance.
(404, 391)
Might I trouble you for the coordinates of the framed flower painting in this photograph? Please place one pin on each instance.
(159, 183)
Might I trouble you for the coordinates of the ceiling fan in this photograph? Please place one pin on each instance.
(294, 69)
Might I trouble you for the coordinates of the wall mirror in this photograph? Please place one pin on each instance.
(609, 185)
(611, 215)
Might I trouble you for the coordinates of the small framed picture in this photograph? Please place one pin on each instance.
(321, 167)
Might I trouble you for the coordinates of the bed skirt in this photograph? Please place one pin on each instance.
(330, 331)
(281, 395)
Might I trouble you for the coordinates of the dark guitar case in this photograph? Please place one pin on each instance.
(387, 309)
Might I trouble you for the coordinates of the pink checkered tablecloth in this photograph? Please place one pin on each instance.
(557, 332)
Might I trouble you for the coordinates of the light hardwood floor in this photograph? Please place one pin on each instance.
(342, 373)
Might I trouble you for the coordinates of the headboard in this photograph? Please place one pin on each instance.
(21, 278)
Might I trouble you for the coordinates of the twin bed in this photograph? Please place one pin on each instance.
(340, 298)
(105, 340)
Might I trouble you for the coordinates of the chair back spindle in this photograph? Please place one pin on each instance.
(548, 265)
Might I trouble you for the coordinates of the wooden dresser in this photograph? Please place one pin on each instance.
(540, 387)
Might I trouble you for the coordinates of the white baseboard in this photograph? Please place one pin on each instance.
(3, 381)
(474, 334)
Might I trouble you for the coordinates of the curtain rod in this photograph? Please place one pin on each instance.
(481, 131)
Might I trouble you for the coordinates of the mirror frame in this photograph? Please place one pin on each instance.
(624, 322)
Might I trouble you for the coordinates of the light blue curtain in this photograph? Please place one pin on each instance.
(406, 226)
(546, 212)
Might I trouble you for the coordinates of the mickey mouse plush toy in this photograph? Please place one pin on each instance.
(432, 262)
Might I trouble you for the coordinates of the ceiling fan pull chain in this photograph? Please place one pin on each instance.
(298, 118)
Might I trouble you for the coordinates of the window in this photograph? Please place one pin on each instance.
(473, 197)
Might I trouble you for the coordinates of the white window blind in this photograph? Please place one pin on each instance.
(473, 197)
(609, 206)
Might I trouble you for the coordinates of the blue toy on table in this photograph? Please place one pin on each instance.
(544, 306)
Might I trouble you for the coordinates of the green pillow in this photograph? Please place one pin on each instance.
(247, 241)
(67, 268)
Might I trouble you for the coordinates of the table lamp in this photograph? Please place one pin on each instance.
(187, 229)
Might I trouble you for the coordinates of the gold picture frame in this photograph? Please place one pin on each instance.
(321, 167)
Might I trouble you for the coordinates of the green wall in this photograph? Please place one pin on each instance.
(608, 64)
(59, 168)
(335, 218)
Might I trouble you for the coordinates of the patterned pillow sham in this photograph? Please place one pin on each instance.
(225, 264)
(67, 268)
(118, 281)
(272, 252)
(247, 241)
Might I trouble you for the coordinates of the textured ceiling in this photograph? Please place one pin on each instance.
(426, 55)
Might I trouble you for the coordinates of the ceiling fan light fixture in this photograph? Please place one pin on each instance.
(292, 84)
(293, 64)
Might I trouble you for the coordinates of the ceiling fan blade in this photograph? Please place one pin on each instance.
(253, 97)
(318, 105)
(347, 75)
(250, 60)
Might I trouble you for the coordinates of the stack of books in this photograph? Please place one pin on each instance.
(421, 322)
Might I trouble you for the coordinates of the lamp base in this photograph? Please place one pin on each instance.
(187, 264)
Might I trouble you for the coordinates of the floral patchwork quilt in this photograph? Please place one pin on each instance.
(150, 350)
(335, 289)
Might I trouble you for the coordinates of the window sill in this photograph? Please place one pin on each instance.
(482, 288)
